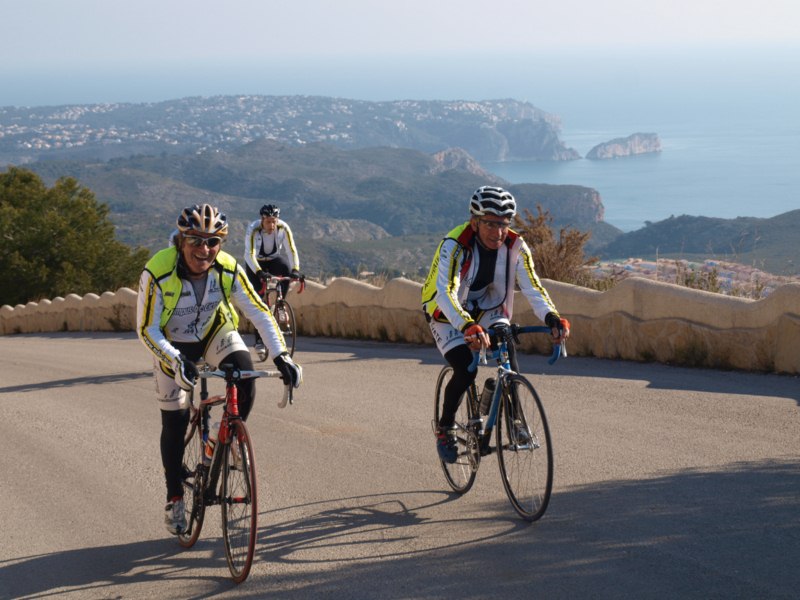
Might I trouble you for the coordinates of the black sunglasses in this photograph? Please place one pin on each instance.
(196, 240)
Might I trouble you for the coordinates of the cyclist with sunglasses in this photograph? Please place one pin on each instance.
(187, 310)
(470, 287)
(269, 249)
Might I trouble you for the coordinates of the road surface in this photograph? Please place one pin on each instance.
(669, 483)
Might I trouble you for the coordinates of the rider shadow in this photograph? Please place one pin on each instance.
(102, 572)
(691, 534)
(727, 533)
(343, 526)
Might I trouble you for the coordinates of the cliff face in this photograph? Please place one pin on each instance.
(637, 143)
(574, 205)
(457, 158)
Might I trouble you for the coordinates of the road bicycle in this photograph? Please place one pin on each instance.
(272, 294)
(224, 472)
(510, 403)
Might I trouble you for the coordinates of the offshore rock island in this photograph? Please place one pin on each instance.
(637, 143)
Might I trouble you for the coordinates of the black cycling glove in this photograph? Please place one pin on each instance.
(292, 374)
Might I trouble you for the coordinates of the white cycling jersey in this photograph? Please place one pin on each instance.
(260, 245)
(194, 318)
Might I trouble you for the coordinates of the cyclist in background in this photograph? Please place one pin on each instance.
(269, 249)
(470, 287)
(186, 310)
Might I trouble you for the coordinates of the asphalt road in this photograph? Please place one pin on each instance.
(670, 483)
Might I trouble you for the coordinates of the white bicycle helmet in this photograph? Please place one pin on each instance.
(488, 200)
(203, 219)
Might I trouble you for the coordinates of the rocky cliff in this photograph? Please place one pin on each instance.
(637, 143)
(457, 158)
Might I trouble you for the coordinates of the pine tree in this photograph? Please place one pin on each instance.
(58, 241)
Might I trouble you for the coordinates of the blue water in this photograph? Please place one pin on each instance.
(728, 119)
(729, 125)
(700, 171)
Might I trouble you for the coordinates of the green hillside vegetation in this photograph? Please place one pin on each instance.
(769, 244)
(385, 209)
(380, 209)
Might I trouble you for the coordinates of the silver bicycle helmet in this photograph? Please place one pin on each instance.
(488, 200)
(203, 219)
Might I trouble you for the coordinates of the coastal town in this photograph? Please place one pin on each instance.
(195, 124)
(716, 276)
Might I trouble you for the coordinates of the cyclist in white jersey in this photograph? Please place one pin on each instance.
(187, 310)
(269, 249)
(470, 287)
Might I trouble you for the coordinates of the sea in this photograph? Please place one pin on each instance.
(728, 118)
(729, 128)
(723, 170)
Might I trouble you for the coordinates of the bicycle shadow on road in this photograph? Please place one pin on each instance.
(341, 527)
(729, 533)
(134, 570)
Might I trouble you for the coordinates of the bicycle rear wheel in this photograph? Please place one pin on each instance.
(239, 502)
(284, 314)
(524, 451)
(460, 475)
(193, 481)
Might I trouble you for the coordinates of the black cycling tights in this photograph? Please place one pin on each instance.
(174, 424)
(173, 429)
(460, 358)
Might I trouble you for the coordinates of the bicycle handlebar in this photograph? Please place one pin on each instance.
(480, 357)
(234, 375)
(267, 277)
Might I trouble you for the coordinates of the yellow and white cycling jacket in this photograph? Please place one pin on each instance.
(168, 310)
(446, 292)
(260, 245)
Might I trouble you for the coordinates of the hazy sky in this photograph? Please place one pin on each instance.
(99, 31)
(298, 44)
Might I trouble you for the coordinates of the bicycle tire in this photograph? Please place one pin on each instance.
(193, 481)
(460, 475)
(526, 467)
(239, 501)
(287, 325)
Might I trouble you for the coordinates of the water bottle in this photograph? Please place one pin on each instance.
(486, 395)
(211, 442)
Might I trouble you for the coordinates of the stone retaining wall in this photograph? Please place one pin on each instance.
(638, 319)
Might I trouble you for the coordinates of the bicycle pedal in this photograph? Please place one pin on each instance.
(487, 450)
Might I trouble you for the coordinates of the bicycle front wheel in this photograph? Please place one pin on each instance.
(193, 476)
(460, 475)
(524, 451)
(238, 499)
(284, 314)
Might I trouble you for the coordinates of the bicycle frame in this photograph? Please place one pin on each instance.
(517, 419)
(271, 283)
(230, 412)
(229, 479)
(503, 335)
